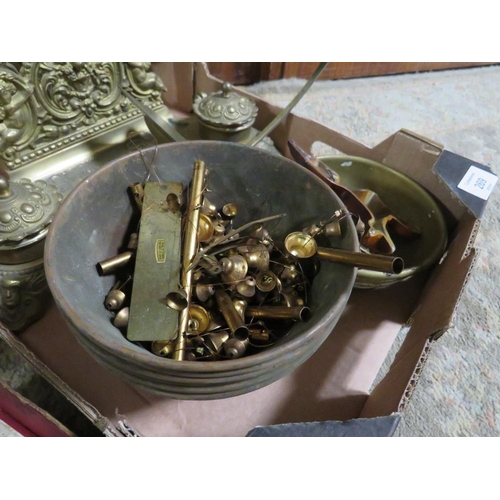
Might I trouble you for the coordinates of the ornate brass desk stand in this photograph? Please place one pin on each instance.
(59, 122)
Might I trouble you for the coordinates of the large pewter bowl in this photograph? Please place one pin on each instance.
(92, 223)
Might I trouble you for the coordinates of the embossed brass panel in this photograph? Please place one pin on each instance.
(57, 115)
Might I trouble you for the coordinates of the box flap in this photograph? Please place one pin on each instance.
(439, 300)
(416, 157)
(394, 391)
(465, 180)
(432, 317)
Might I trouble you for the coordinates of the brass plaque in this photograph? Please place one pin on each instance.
(157, 265)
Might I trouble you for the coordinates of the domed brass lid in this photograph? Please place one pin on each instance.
(225, 109)
(26, 209)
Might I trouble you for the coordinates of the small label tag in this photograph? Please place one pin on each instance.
(478, 182)
(160, 251)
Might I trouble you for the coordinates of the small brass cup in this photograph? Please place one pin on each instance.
(303, 246)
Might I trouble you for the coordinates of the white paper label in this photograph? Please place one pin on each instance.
(478, 182)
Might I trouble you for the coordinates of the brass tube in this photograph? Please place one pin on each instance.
(189, 251)
(233, 319)
(278, 312)
(383, 263)
(109, 266)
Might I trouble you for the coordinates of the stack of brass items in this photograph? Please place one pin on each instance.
(192, 287)
(373, 216)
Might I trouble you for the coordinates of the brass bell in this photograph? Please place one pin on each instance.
(121, 319)
(229, 211)
(177, 300)
(204, 291)
(215, 341)
(219, 228)
(332, 229)
(163, 348)
(208, 208)
(234, 269)
(234, 348)
(116, 297)
(205, 228)
(199, 319)
(246, 287)
(267, 281)
(287, 273)
(114, 300)
(257, 256)
(262, 235)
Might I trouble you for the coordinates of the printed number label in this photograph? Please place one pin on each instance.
(478, 182)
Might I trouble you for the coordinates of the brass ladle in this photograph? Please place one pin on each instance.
(304, 246)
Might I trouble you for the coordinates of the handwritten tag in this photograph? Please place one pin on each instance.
(478, 182)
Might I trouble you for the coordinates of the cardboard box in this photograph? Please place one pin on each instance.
(332, 393)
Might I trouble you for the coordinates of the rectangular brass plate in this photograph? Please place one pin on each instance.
(157, 266)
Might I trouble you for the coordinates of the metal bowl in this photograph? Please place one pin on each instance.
(92, 223)
(409, 202)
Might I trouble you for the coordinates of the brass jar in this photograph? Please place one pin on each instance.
(225, 115)
(26, 210)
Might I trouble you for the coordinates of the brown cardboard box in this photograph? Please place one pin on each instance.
(334, 385)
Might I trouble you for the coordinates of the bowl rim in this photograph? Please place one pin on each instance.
(146, 358)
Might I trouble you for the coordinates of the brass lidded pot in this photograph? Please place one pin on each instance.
(26, 210)
(225, 115)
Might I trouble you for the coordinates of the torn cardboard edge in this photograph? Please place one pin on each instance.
(27, 418)
(103, 424)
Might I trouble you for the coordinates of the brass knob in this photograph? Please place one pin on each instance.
(5, 190)
(226, 89)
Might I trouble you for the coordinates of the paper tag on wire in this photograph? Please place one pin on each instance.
(478, 182)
